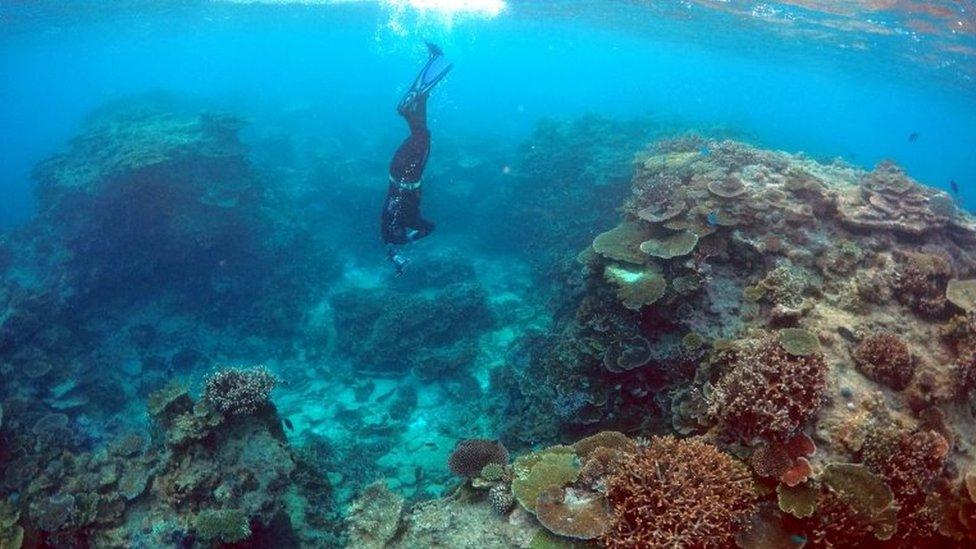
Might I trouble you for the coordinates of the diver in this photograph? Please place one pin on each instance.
(401, 222)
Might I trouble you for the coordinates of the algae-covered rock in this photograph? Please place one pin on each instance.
(622, 243)
(374, 517)
(537, 472)
(962, 294)
(671, 245)
(799, 342)
(226, 525)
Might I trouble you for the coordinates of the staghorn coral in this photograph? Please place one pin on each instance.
(678, 493)
(767, 392)
(886, 358)
(238, 391)
(470, 457)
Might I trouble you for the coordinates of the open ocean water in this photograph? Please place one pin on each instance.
(690, 273)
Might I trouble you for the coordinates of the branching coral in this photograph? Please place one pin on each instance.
(236, 391)
(886, 358)
(678, 493)
(921, 283)
(768, 392)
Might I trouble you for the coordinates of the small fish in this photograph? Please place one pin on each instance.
(712, 218)
(954, 186)
(288, 423)
(704, 151)
(913, 137)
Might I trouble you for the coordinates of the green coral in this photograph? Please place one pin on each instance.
(636, 286)
(798, 342)
(671, 245)
(799, 501)
(693, 341)
(537, 472)
(226, 525)
(493, 472)
(622, 243)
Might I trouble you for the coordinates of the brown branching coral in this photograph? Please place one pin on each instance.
(909, 461)
(921, 283)
(678, 493)
(886, 358)
(768, 393)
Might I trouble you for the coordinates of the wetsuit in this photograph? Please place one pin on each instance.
(401, 221)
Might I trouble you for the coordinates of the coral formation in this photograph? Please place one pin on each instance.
(887, 359)
(471, 457)
(748, 299)
(768, 392)
(237, 391)
(678, 493)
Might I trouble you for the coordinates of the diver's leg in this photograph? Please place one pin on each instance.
(407, 166)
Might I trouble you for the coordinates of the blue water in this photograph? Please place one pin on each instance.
(332, 67)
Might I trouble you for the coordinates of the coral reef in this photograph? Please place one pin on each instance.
(806, 328)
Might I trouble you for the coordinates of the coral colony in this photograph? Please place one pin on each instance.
(730, 347)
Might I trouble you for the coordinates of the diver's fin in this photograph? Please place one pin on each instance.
(433, 72)
(434, 49)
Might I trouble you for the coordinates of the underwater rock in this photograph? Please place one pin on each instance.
(962, 294)
(374, 517)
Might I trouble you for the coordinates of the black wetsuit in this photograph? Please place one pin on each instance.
(401, 221)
